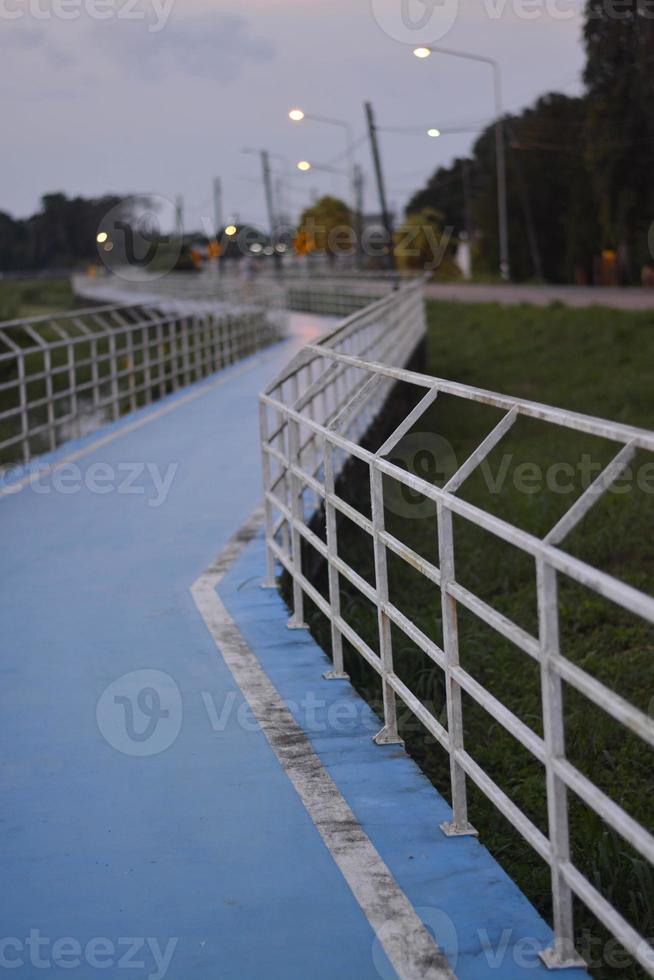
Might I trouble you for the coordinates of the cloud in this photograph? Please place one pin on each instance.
(205, 45)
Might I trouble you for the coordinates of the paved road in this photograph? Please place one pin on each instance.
(579, 296)
(150, 830)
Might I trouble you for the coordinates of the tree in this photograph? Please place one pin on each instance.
(61, 235)
(553, 231)
(422, 243)
(620, 127)
(448, 191)
(326, 227)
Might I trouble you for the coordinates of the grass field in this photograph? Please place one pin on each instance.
(34, 297)
(599, 362)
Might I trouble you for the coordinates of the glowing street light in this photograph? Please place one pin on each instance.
(101, 237)
(502, 208)
(434, 133)
(304, 165)
(297, 115)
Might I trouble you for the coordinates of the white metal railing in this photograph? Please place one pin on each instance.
(63, 375)
(313, 416)
(332, 295)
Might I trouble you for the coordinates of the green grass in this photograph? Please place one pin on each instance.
(596, 361)
(34, 297)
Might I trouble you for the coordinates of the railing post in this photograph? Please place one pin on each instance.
(459, 826)
(297, 619)
(131, 376)
(269, 581)
(389, 734)
(186, 328)
(113, 376)
(95, 381)
(49, 394)
(72, 381)
(24, 416)
(147, 373)
(563, 953)
(338, 671)
(173, 335)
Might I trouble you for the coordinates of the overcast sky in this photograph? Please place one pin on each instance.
(163, 103)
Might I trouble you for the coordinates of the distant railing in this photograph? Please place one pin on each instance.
(62, 376)
(330, 295)
(313, 416)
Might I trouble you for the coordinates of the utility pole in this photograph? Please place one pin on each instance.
(467, 197)
(358, 213)
(376, 159)
(179, 216)
(217, 205)
(267, 186)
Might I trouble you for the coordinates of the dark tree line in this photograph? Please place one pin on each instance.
(580, 171)
(61, 235)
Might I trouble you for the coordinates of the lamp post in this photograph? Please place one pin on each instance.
(503, 221)
(299, 115)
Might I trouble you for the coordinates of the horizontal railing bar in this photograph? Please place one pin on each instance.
(613, 814)
(610, 702)
(422, 713)
(591, 425)
(344, 628)
(410, 556)
(505, 627)
(619, 592)
(505, 805)
(626, 935)
(500, 713)
(421, 640)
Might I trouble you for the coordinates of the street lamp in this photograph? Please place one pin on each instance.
(306, 165)
(298, 115)
(434, 133)
(503, 221)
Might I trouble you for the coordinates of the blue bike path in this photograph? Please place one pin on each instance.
(149, 829)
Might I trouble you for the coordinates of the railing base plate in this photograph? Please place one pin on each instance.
(384, 737)
(451, 829)
(553, 960)
(335, 675)
(294, 624)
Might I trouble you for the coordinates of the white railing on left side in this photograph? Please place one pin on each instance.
(63, 375)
